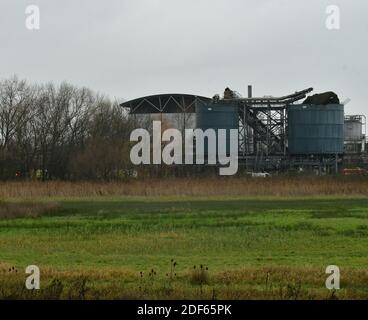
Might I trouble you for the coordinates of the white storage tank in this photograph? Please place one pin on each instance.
(353, 128)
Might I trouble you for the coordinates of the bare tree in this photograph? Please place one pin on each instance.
(61, 132)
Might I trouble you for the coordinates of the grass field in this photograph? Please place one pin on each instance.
(139, 247)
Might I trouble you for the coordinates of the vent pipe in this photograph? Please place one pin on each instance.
(250, 91)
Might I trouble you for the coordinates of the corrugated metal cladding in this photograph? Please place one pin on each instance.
(315, 129)
(218, 116)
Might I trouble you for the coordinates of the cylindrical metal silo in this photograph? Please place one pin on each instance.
(315, 129)
(353, 130)
(218, 116)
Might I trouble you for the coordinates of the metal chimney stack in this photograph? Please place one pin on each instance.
(250, 91)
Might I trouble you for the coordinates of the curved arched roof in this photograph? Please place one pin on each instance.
(164, 103)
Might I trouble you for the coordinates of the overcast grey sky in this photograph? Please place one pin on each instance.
(132, 48)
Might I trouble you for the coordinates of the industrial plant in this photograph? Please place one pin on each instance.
(295, 132)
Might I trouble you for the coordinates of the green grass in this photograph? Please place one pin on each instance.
(132, 235)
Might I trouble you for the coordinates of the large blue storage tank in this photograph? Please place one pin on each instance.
(217, 116)
(315, 129)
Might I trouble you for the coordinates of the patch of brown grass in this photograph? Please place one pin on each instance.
(197, 187)
(283, 283)
(12, 210)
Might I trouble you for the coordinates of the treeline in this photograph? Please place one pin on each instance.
(50, 132)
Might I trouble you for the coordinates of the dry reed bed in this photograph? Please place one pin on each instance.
(200, 187)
